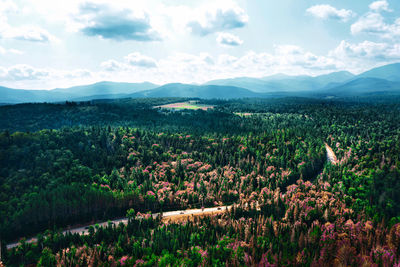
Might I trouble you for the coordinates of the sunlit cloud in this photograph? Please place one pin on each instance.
(215, 18)
(330, 12)
(108, 22)
(228, 39)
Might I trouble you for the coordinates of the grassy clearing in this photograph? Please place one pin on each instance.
(185, 105)
(244, 114)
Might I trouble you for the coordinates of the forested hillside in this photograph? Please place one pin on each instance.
(78, 163)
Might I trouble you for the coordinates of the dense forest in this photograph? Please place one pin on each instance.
(80, 163)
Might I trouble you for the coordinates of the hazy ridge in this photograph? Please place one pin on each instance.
(377, 81)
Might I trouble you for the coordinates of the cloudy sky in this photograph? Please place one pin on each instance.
(52, 43)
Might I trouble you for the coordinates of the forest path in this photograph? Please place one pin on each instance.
(330, 155)
(166, 216)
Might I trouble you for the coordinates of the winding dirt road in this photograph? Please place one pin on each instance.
(172, 215)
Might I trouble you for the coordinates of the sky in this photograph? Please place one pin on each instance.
(47, 44)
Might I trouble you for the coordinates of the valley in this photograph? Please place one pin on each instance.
(289, 172)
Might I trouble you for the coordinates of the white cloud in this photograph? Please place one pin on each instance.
(24, 32)
(183, 67)
(226, 59)
(358, 57)
(115, 22)
(139, 60)
(132, 62)
(292, 55)
(288, 50)
(74, 74)
(7, 6)
(198, 68)
(28, 77)
(382, 5)
(4, 51)
(374, 24)
(112, 65)
(330, 12)
(367, 50)
(23, 72)
(369, 23)
(228, 39)
(126, 21)
(218, 17)
(28, 33)
(189, 68)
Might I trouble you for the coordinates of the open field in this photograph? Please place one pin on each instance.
(243, 114)
(185, 105)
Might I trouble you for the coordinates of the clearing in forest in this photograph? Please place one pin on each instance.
(244, 114)
(190, 217)
(185, 105)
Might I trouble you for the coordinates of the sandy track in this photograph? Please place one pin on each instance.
(330, 155)
(169, 216)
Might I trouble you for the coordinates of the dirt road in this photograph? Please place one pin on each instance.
(330, 155)
(176, 215)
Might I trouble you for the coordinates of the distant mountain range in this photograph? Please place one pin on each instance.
(377, 81)
(201, 91)
(285, 83)
(79, 93)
